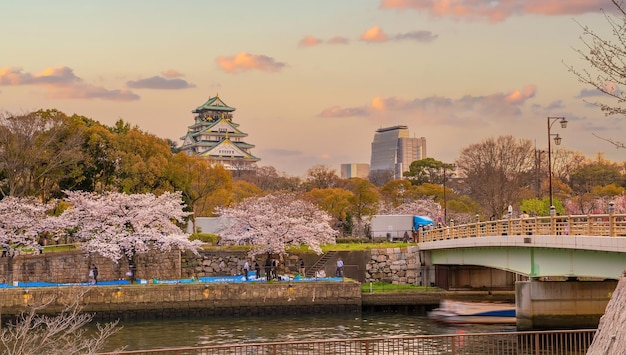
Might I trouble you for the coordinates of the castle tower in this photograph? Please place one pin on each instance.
(215, 136)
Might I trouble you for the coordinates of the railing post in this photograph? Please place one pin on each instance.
(612, 219)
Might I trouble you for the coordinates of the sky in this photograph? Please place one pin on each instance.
(312, 81)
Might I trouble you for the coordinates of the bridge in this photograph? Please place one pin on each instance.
(588, 246)
(589, 251)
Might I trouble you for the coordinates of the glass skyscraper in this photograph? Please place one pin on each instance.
(393, 150)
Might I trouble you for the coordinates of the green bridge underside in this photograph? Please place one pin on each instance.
(537, 262)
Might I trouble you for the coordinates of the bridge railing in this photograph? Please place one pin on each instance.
(608, 225)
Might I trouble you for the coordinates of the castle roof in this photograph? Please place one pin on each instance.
(213, 104)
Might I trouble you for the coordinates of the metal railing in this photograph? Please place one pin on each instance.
(608, 225)
(571, 342)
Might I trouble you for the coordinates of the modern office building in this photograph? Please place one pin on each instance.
(393, 150)
(351, 170)
(215, 136)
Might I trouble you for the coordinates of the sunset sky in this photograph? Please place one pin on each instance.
(313, 80)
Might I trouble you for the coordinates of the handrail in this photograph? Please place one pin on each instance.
(603, 225)
(526, 342)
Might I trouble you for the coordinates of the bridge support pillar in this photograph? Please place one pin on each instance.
(561, 304)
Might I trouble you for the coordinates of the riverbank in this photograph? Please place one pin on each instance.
(155, 301)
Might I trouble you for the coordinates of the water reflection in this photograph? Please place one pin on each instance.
(153, 334)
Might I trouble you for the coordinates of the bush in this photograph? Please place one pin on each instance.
(205, 237)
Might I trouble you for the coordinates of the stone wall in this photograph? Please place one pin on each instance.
(396, 265)
(176, 300)
(611, 335)
(73, 266)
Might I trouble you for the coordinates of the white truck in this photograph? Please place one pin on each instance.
(397, 227)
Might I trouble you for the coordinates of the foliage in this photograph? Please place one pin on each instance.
(537, 207)
(426, 170)
(321, 177)
(272, 223)
(377, 287)
(364, 201)
(205, 237)
(38, 149)
(117, 225)
(494, 170)
(63, 334)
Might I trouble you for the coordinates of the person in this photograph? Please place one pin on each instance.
(257, 268)
(275, 268)
(246, 268)
(339, 267)
(268, 268)
(131, 273)
(94, 274)
(302, 267)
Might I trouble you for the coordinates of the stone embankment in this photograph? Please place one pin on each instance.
(610, 339)
(395, 265)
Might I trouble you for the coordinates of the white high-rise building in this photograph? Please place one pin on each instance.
(393, 150)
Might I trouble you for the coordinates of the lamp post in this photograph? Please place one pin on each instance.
(557, 141)
(445, 206)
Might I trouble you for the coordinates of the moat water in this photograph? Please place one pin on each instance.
(155, 334)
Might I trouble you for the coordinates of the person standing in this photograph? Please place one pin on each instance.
(302, 268)
(94, 273)
(268, 268)
(246, 268)
(339, 267)
(257, 268)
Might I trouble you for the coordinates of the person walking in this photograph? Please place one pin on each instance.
(339, 267)
(268, 268)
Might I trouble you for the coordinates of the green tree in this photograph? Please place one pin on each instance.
(426, 170)
(204, 186)
(364, 202)
(336, 202)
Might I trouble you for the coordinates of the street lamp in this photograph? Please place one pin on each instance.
(557, 141)
(445, 206)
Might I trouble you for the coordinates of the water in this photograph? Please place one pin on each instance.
(154, 334)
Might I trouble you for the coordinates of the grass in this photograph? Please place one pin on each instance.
(379, 287)
(325, 248)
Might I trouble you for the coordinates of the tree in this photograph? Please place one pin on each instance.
(336, 202)
(37, 150)
(21, 221)
(606, 59)
(321, 177)
(63, 334)
(495, 170)
(425, 170)
(204, 186)
(117, 225)
(365, 202)
(600, 172)
(273, 222)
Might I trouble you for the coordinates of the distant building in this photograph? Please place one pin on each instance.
(360, 170)
(215, 136)
(393, 151)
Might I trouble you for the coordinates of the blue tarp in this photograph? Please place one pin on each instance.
(419, 221)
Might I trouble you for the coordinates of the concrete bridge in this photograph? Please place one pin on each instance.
(589, 251)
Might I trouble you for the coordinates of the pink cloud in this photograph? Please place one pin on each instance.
(309, 41)
(338, 40)
(496, 11)
(245, 61)
(61, 83)
(437, 109)
(374, 34)
(171, 73)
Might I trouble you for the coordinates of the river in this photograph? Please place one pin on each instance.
(154, 334)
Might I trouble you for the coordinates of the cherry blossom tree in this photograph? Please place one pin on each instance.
(117, 225)
(273, 222)
(21, 221)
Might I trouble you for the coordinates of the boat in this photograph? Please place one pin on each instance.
(457, 312)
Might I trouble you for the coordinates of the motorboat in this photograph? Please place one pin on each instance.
(458, 312)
